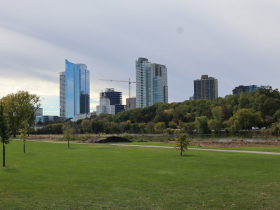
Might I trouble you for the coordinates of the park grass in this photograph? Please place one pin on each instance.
(50, 176)
(172, 144)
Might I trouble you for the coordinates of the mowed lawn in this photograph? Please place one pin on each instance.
(51, 176)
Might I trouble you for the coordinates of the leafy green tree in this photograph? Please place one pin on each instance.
(159, 127)
(172, 124)
(226, 112)
(216, 124)
(142, 126)
(19, 107)
(269, 107)
(202, 124)
(246, 118)
(4, 132)
(181, 142)
(68, 132)
(189, 127)
(23, 133)
(243, 100)
(128, 125)
(85, 125)
(150, 128)
(122, 126)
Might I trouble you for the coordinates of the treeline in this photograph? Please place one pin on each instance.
(232, 113)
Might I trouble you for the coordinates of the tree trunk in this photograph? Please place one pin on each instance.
(3, 155)
(23, 147)
(14, 132)
(68, 144)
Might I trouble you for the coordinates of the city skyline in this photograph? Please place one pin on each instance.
(236, 42)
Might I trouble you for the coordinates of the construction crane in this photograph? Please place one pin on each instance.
(129, 82)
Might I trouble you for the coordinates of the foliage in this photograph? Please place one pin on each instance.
(202, 124)
(216, 123)
(181, 142)
(4, 130)
(68, 132)
(159, 127)
(19, 107)
(246, 118)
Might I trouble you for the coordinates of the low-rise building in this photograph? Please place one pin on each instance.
(244, 89)
(46, 118)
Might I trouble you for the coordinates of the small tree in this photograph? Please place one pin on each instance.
(4, 133)
(23, 133)
(67, 132)
(181, 142)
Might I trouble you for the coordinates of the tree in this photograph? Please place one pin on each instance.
(142, 126)
(159, 127)
(202, 124)
(4, 133)
(19, 107)
(85, 124)
(67, 132)
(23, 133)
(150, 128)
(226, 112)
(216, 123)
(172, 124)
(181, 142)
(245, 119)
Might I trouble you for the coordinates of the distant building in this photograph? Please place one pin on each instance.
(115, 99)
(205, 88)
(74, 90)
(132, 103)
(46, 118)
(81, 116)
(151, 83)
(244, 89)
(39, 112)
(104, 106)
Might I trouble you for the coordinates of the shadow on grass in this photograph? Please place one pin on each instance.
(9, 169)
(185, 155)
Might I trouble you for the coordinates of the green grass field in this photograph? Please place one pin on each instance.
(51, 176)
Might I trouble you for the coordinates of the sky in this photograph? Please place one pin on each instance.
(235, 41)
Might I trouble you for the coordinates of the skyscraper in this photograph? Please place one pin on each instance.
(151, 83)
(74, 90)
(205, 88)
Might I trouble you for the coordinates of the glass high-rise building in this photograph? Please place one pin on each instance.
(151, 83)
(205, 88)
(74, 90)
